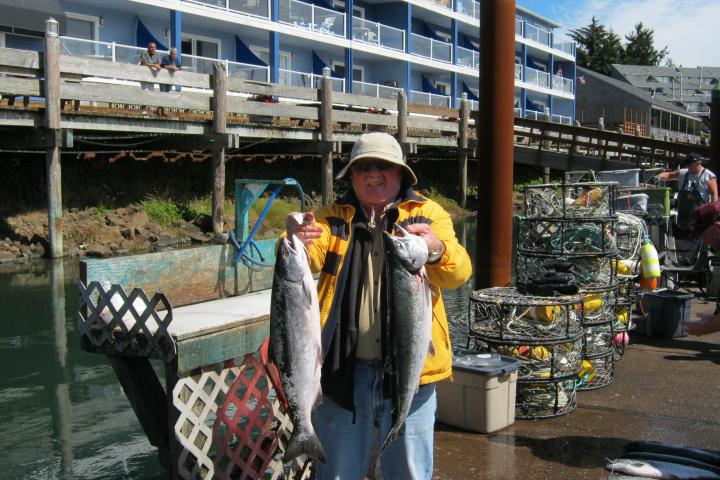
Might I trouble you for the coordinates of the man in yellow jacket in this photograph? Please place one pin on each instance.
(344, 242)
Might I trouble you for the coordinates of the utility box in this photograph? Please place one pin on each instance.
(481, 396)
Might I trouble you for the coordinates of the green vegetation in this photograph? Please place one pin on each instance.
(449, 204)
(162, 212)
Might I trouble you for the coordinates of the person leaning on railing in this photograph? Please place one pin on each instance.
(150, 59)
(171, 63)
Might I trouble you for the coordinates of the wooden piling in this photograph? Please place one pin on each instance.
(52, 122)
(463, 151)
(219, 126)
(326, 136)
(402, 136)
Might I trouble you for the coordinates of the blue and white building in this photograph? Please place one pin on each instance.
(429, 48)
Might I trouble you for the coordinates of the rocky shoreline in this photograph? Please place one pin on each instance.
(93, 232)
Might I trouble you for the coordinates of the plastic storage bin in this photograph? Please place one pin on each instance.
(481, 397)
(659, 196)
(625, 178)
(666, 311)
(631, 203)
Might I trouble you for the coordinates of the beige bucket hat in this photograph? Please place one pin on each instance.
(378, 146)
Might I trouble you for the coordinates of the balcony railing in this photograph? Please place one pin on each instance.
(698, 109)
(562, 119)
(468, 58)
(518, 72)
(537, 34)
(378, 34)
(563, 84)
(567, 47)
(443, 3)
(430, 48)
(471, 8)
(519, 27)
(376, 90)
(127, 54)
(517, 111)
(473, 104)
(536, 77)
(429, 98)
(312, 17)
(535, 114)
(308, 80)
(258, 8)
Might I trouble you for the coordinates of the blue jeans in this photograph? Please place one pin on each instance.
(349, 445)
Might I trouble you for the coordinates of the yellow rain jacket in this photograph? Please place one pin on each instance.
(327, 256)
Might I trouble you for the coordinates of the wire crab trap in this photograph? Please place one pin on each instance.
(627, 289)
(566, 237)
(597, 371)
(596, 271)
(503, 314)
(598, 339)
(540, 360)
(545, 400)
(629, 231)
(570, 200)
(599, 304)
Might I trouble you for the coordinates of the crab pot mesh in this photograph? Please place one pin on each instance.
(539, 360)
(599, 305)
(598, 339)
(503, 314)
(598, 371)
(566, 237)
(627, 290)
(629, 231)
(570, 200)
(597, 271)
(621, 325)
(545, 400)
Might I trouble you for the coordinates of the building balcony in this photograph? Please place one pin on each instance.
(430, 48)
(561, 83)
(127, 54)
(378, 34)
(429, 98)
(308, 80)
(473, 104)
(471, 8)
(448, 4)
(258, 8)
(698, 109)
(376, 90)
(518, 73)
(311, 17)
(517, 111)
(567, 47)
(468, 58)
(537, 77)
(535, 114)
(561, 119)
(536, 34)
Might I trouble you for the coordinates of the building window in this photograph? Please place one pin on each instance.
(358, 72)
(84, 27)
(357, 10)
(263, 53)
(444, 87)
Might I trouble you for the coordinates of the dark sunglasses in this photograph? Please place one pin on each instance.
(367, 166)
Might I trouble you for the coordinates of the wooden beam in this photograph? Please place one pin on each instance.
(266, 88)
(326, 135)
(218, 163)
(249, 107)
(462, 156)
(25, 59)
(52, 121)
(32, 139)
(103, 92)
(20, 86)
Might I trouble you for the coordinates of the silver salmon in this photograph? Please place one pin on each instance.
(295, 343)
(410, 338)
(659, 470)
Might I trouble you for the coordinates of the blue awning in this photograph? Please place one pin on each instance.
(429, 32)
(470, 94)
(428, 87)
(243, 54)
(143, 36)
(319, 64)
(471, 44)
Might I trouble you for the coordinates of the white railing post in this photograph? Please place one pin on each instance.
(312, 16)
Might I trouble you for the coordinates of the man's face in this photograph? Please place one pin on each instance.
(152, 48)
(711, 236)
(695, 167)
(375, 182)
(173, 53)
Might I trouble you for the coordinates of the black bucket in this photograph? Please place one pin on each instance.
(666, 311)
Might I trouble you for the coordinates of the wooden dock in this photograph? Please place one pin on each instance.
(81, 104)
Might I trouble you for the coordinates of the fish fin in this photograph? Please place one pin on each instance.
(303, 442)
(431, 348)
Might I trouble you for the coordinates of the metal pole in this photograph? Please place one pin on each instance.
(326, 136)
(715, 129)
(495, 144)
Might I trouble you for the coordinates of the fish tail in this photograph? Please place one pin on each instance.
(303, 442)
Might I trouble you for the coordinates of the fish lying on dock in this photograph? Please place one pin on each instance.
(295, 343)
(659, 470)
(410, 336)
(663, 457)
(706, 456)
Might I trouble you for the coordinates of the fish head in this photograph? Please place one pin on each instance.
(411, 250)
(291, 262)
